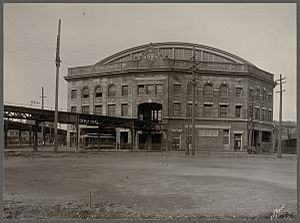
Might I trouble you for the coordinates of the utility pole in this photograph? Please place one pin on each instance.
(43, 126)
(57, 62)
(187, 150)
(193, 103)
(280, 113)
(251, 108)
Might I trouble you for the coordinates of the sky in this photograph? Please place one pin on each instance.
(263, 34)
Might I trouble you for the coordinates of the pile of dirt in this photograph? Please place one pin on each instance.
(69, 210)
(109, 210)
(34, 155)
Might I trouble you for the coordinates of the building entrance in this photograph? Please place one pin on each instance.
(124, 144)
(237, 142)
(150, 111)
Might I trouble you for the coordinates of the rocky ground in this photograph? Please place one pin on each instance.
(109, 210)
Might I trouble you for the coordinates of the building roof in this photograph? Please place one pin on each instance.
(175, 50)
(176, 56)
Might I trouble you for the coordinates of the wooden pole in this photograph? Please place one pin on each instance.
(187, 150)
(280, 118)
(193, 105)
(57, 61)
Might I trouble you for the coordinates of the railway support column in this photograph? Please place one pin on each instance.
(36, 128)
(118, 139)
(44, 134)
(149, 141)
(20, 138)
(99, 145)
(130, 141)
(132, 132)
(69, 138)
(5, 134)
(136, 139)
(29, 132)
(260, 137)
(77, 133)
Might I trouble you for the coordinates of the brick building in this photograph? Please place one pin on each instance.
(234, 98)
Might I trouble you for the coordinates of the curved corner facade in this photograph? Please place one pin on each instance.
(234, 98)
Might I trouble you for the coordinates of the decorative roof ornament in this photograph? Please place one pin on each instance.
(151, 55)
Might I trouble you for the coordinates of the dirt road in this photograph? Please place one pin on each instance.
(147, 186)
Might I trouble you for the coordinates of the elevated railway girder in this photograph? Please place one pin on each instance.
(43, 115)
(39, 115)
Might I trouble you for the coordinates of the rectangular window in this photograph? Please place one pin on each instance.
(177, 89)
(111, 110)
(251, 93)
(208, 132)
(124, 110)
(270, 98)
(257, 95)
(85, 109)
(141, 89)
(166, 52)
(225, 136)
(257, 113)
(270, 116)
(159, 88)
(98, 94)
(73, 109)
(189, 110)
(159, 115)
(125, 90)
(238, 111)
(150, 89)
(207, 56)
(98, 109)
(238, 92)
(73, 94)
(176, 109)
(263, 118)
(223, 111)
(190, 91)
(207, 111)
(264, 95)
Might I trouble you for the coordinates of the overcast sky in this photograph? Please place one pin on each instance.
(263, 34)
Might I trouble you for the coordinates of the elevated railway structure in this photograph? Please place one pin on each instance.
(12, 112)
(27, 127)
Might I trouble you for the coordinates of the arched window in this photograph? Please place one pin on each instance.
(85, 92)
(208, 90)
(223, 91)
(98, 92)
(111, 91)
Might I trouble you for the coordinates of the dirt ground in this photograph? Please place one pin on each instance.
(128, 185)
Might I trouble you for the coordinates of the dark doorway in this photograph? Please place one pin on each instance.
(237, 142)
(255, 138)
(156, 141)
(150, 112)
(142, 141)
(124, 140)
